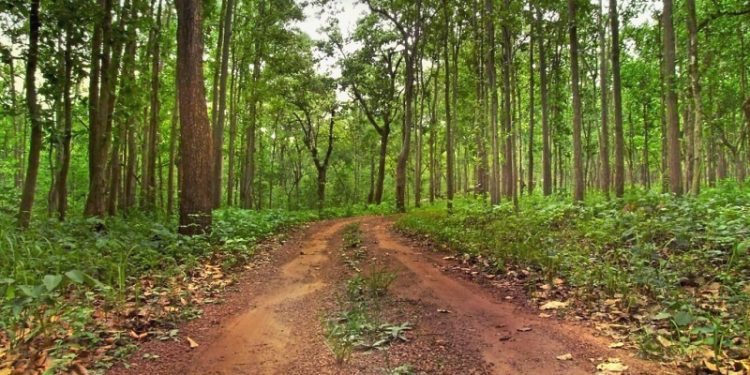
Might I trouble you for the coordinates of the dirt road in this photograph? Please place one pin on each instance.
(271, 322)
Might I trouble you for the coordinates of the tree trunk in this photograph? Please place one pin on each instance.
(195, 130)
(532, 111)
(403, 157)
(35, 147)
(489, 26)
(383, 154)
(577, 151)
(247, 193)
(448, 117)
(233, 113)
(218, 129)
(673, 122)
(696, 91)
(507, 132)
(62, 177)
(100, 131)
(617, 98)
(603, 78)
(155, 108)
(172, 158)
(543, 88)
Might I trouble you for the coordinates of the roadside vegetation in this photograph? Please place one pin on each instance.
(85, 291)
(668, 275)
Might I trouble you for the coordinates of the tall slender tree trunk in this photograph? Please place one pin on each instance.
(172, 158)
(155, 109)
(489, 27)
(35, 146)
(233, 113)
(507, 132)
(695, 86)
(218, 129)
(604, 91)
(673, 121)
(62, 177)
(544, 93)
(195, 130)
(403, 157)
(532, 111)
(382, 156)
(448, 115)
(614, 20)
(100, 130)
(247, 193)
(578, 189)
(18, 148)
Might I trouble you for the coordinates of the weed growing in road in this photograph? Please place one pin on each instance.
(352, 250)
(356, 325)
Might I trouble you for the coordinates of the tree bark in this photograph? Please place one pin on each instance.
(673, 122)
(62, 177)
(507, 131)
(578, 189)
(155, 108)
(695, 86)
(603, 78)
(218, 129)
(448, 116)
(195, 130)
(172, 158)
(532, 111)
(489, 27)
(35, 146)
(543, 88)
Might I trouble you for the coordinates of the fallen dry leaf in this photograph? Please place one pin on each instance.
(565, 357)
(192, 342)
(137, 336)
(664, 341)
(524, 329)
(612, 366)
(710, 366)
(554, 305)
(616, 345)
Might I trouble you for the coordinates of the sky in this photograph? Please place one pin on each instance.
(347, 12)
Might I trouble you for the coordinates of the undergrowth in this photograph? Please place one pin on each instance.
(676, 269)
(80, 283)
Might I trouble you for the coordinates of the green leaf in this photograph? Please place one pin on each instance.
(51, 282)
(75, 276)
(30, 291)
(683, 318)
(661, 316)
(10, 293)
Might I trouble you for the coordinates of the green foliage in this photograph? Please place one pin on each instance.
(52, 272)
(686, 257)
(356, 326)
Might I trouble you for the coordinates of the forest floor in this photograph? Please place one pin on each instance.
(272, 321)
